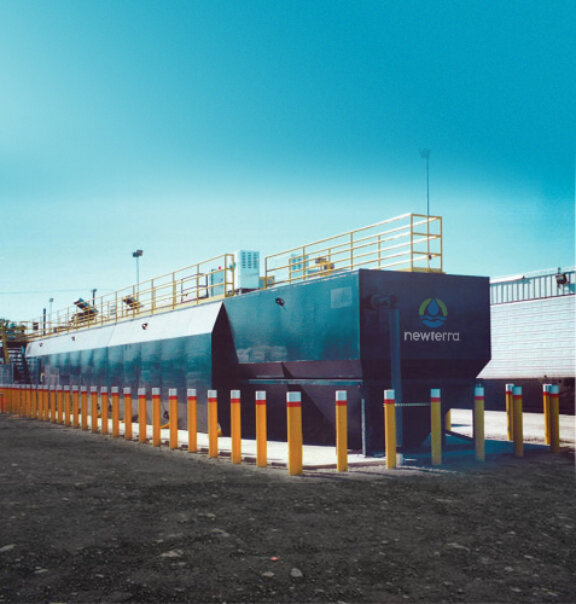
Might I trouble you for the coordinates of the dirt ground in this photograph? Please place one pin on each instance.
(85, 518)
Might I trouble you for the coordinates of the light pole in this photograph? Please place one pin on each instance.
(137, 255)
(425, 154)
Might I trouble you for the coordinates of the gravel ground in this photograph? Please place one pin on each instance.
(85, 518)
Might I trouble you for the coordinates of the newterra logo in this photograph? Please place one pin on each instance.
(433, 314)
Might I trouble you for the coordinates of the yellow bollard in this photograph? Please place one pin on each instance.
(436, 426)
(236, 426)
(341, 431)
(60, 404)
(518, 422)
(212, 423)
(94, 408)
(192, 420)
(66, 405)
(34, 393)
(510, 411)
(294, 432)
(127, 413)
(546, 411)
(390, 427)
(142, 415)
(75, 406)
(156, 417)
(173, 415)
(478, 424)
(555, 418)
(104, 407)
(84, 407)
(114, 391)
(261, 430)
(53, 397)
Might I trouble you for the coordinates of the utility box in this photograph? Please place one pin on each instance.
(247, 270)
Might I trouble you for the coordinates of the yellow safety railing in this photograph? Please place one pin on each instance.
(202, 282)
(411, 242)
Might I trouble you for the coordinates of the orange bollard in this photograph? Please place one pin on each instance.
(60, 404)
(34, 402)
(53, 402)
(518, 422)
(546, 411)
(341, 431)
(212, 423)
(555, 418)
(436, 427)
(94, 408)
(142, 428)
(127, 413)
(173, 415)
(2, 401)
(75, 406)
(236, 426)
(261, 430)
(84, 407)
(510, 411)
(192, 420)
(104, 407)
(390, 428)
(115, 412)
(294, 432)
(156, 417)
(478, 424)
(66, 405)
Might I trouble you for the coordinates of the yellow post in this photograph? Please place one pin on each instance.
(555, 418)
(212, 423)
(156, 417)
(115, 412)
(127, 413)
(104, 407)
(142, 415)
(173, 415)
(192, 420)
(510, 411)
(53, 416)
(518, 423)
(546, 411)
(261, 430)
(75, 406)
(236, 426)
(94, 408)
(84, 407)
(478, 424)
(341, 431)
(390, 427)
(436, 426)
(66, 405)
(60, 404)
(294, 425)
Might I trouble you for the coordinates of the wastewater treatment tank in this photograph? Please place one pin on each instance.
(362, 312)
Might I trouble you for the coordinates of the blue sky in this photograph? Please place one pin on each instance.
(193, 128)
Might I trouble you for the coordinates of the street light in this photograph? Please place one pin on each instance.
(137, 255)
(425, 154)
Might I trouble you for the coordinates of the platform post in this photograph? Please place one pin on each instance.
(104, 408)
(173, 415)
(436, 426)
(390, 427)
(142, 427)
(236, 426)
(555, 418)
(341, 431)
(510, 411)
(478, 424)
(114, 391)
(546, 411)
(156, 417)
(518, 422)
(261, 430)
(94, 409)
(294, 432)
(192, 404)
(128, 413)
(212, 423)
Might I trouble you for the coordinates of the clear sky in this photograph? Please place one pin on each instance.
(190, 128)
